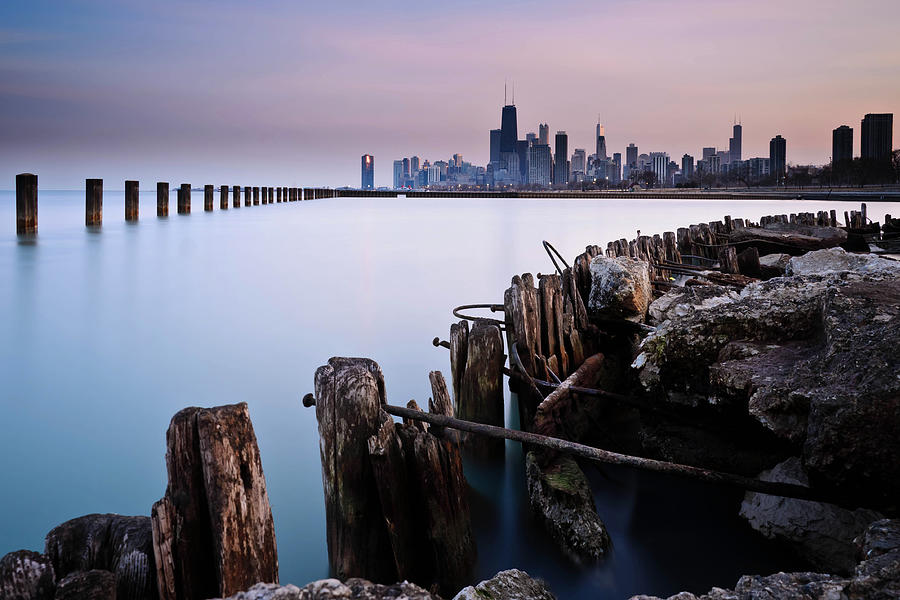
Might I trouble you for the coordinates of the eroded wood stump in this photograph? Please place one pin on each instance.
(213, 533)
(26, 575)
(87, 585)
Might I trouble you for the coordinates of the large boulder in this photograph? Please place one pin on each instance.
(507, 585)
(620, 288)
(682, 301)
(836, 260)
(821, 533)
(96, 584)
(561, 498)
(810, 358)
(26, 575)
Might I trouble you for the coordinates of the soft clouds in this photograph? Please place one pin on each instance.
(291, 93)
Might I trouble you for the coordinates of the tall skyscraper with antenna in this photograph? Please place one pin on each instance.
(601, 141)
(509, 130)
(734, 142)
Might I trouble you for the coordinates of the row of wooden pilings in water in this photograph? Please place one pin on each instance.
(27, 199)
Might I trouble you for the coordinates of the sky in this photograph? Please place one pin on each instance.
(279, 92)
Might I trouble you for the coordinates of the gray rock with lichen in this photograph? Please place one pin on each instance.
(507, 585)
(836, 260)
(620, 287)
(332, 589)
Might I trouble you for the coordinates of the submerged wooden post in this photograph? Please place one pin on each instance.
(162, 199)
(236, 196)
(26, 203)
(271, 195)
(223, 197)
(265, 195)
(93, 202)
(248, 198)
(255, 196)
(207, 197)
(132, 208)
(184, 199)
(278, 196)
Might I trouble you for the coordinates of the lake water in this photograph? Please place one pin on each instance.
(104, 335)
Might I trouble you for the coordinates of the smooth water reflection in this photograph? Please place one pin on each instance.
(107, 333)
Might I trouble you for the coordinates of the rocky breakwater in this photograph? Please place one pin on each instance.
(796, 378)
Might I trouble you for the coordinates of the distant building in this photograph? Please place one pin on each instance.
(659, 162)
(509, 129)
(601, 143)
(756, 168)
(687, 167)
(560, 165)
(631, 155)
(734, 144)
(842, 145)
(434, 174)
(875, 138)
(398, 174)
(457, 160)
(544, 134)
(413, 165)
(578, 161)
(531, 137)
(368, 172)
(724, 159)
(522, 153)
(707, 152)
(539, 164)
(406, 168)
(495, 145)
(777, 154)
(615, 168)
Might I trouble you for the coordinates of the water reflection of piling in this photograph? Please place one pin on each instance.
(131, 200)
(162, 199)
(26, 203)
(93, 202)
(184, 199)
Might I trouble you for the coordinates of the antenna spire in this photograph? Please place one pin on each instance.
(504, 92)
(514, 93)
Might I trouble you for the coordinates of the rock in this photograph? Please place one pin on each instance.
(87, 585)
(26, 575)
(877, 578)
(108, 542)
(833, 260)
(773, 265)
(620, 287)
(788, 237)
(684, 300)
(507, 585)
(332, 589)
(821, 533)
(561, 497)
(810, 358)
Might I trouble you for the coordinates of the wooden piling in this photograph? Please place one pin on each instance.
(265, 195)
(208, 197)
(132, 208)
(255, 196)
(93, 202)
(728, 260)
(162, 199)
(271, 195)
(184, 199)
(26, 203)
(236, 196)
(278, 196)
(248, 198)
(223, 197)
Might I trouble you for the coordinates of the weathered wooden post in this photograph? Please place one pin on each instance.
(213, 533)
(132, 208)
(236, 196)
(207, 197)
(255, 196)
(93, 202)
(271, 195)
(265, 195)
(162, 199)
(278, 195)
(248, 198)
(184, 199)
(26, 203)
(223, 197)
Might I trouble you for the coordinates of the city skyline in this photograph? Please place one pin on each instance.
(227, 108)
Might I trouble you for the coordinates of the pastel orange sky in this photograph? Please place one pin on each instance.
(282, 93)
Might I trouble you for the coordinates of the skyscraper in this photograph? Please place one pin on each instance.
(615, 174)
(522, 153)
(777, 154)
(734, 144)
(708, 152)
(398, 174)
(875, 138)
(509, 129)
(495, 145)
(531, 137)
(413, 164)
(687, 167)
(406, 172)
(539, 163)
(601, 143)
(368, 172)
(561, 164)
(659, 162)
(578, 161)
(544, 134)
(842, 145)
(631, 155)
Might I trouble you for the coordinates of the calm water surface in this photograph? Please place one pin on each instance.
(105, 335)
